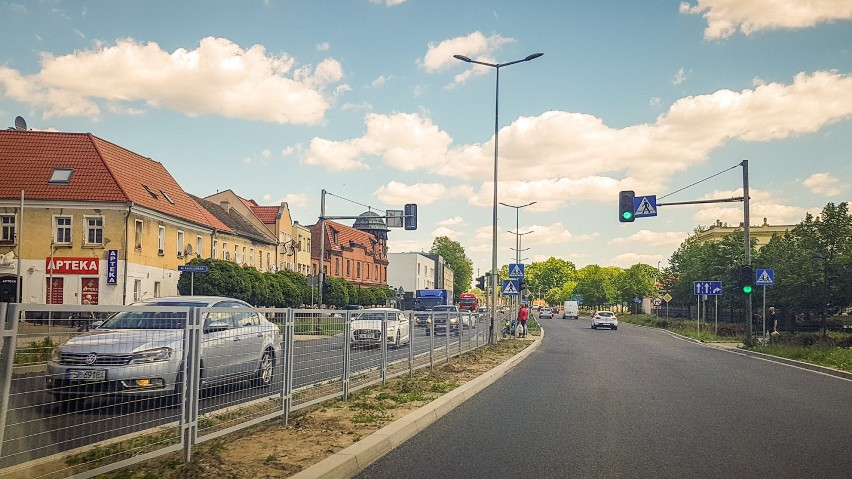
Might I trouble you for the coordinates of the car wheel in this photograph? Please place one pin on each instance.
(615, 328)
(593, 326)
(266, 369)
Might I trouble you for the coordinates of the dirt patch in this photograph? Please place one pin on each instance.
(271, 450)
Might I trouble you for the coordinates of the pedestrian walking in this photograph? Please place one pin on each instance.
(523, 315)
(772, 322)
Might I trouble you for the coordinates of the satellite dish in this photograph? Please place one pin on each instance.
(20, 123)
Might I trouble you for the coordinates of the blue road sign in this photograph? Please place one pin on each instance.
(637, 300)
(510, 287)
(764, 277)
(192, 268)
(711, 288)
(644, 206)
(516, 270)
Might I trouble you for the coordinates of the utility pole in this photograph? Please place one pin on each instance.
(747, 241)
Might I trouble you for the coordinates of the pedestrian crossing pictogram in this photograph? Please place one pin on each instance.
(510, 287)
(645, 208)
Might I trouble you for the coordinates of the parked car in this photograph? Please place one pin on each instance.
(605, 319)
(351, 307)
(366, 328)
(140, 353)
(545, 312)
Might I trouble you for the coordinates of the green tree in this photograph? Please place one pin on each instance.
(454, 255)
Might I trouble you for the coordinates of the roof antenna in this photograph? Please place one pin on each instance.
(20, 123)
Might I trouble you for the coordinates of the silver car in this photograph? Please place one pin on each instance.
(140, 353)
(366, 327)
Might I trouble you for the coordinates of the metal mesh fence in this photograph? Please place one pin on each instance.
(89, 389)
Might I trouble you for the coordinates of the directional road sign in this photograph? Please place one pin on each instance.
(764, 277)
(644, 206)
(712, 288)
(516, 270)
(637, 300)
(510, 287)
(192, 268)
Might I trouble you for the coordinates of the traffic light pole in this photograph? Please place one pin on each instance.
(747, 240)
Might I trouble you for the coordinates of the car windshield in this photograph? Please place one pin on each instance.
(374, 316)
(467, 300)
(444, 308)
(145, 320)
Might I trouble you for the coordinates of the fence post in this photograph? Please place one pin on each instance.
(287, 366)
(410, 347)
(191, 378)
(384, 358)
(447, 336)
(9, 313)
(347, 353)
(431, 326)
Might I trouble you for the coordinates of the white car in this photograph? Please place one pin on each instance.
(604, 319)
(366, 327)
(545, 313)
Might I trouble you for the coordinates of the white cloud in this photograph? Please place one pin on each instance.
(476, 46)
(456, 220)
(444, 231)
(266, 153)
(725, 17)
(407, 246)
(324, 46)
(824, 184)
(679, 77)
(247, 83)
(380, 81)
(627, 260)
(388, 3)
(653, 238)
(763, 204)
(396, 193)
(560, 157)
(296, 199)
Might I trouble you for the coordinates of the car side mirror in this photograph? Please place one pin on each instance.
(215, 326)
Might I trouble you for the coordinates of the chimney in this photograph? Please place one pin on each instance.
(226, 205)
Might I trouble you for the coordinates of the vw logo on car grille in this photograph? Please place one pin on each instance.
(92, 358)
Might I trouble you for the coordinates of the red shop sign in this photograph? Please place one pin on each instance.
(89, 291)
(72, 265)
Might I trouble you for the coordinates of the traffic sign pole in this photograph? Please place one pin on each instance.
(763, 313)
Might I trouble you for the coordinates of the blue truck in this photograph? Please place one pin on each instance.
(426, 299)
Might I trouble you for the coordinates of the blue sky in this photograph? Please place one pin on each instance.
(278, 100)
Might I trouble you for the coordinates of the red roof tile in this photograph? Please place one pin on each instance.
(102, 171)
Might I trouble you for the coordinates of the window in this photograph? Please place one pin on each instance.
(138, 243)
(215, 249)
(348, 273)
(225, 253)
(180, 244)
(63, 229)
(61, 176)
(237, 254)
(137, 290)
(94, 229)
(268, 260)
(157, 287)
(199, 243)
(251, 256)
(167, 197)
(358, 269)
(337, 266)
(377, 273)
(7, 228)
(161, 240)
(333, 237)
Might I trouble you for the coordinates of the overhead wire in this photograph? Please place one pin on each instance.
(700, 181)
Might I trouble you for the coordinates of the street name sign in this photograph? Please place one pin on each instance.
(192, 268)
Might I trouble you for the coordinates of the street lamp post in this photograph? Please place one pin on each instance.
(820, 257)
(492, 333)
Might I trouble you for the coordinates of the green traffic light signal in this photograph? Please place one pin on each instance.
(747, 289)
(627, 215)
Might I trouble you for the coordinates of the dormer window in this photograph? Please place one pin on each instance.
(150, 192)
(61, 176)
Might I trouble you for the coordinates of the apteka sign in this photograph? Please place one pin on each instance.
(71, 265)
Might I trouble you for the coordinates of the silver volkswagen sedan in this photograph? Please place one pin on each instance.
(140, 353)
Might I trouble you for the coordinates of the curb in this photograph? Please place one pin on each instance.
(355, 458)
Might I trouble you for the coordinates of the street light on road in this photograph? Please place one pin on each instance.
(517, 227)
(497, 66)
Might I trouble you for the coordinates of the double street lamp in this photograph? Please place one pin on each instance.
(496, 66)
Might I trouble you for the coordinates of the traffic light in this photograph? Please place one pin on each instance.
(522, 285)
(746, 279)
(480, 282)
(410, 220)
(625, 206)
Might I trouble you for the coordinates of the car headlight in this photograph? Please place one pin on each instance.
(429, 320)
(454, 320)
(56, 355)
(152, 355)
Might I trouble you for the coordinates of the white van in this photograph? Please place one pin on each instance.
(571, 310)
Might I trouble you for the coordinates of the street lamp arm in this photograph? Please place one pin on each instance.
(497, 65)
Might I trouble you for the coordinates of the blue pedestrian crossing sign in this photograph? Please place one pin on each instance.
(510, 287)
(644, 206)
(764, 277)
(516, 270)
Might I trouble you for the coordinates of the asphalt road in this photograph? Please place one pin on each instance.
(37, 426)
(637, 402)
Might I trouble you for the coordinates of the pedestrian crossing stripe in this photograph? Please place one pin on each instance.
(516, 271)
(764, 278)
(645, 208)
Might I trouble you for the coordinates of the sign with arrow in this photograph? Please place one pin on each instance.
(711, 288)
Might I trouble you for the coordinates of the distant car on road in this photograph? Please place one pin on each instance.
(446, 318)
(139, 353)
(604, 319)
(545, 312)
(366, 329)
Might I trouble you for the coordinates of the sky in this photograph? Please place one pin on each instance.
(279, 100)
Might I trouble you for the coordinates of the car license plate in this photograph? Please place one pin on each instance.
(365, 336)
(86, 374)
